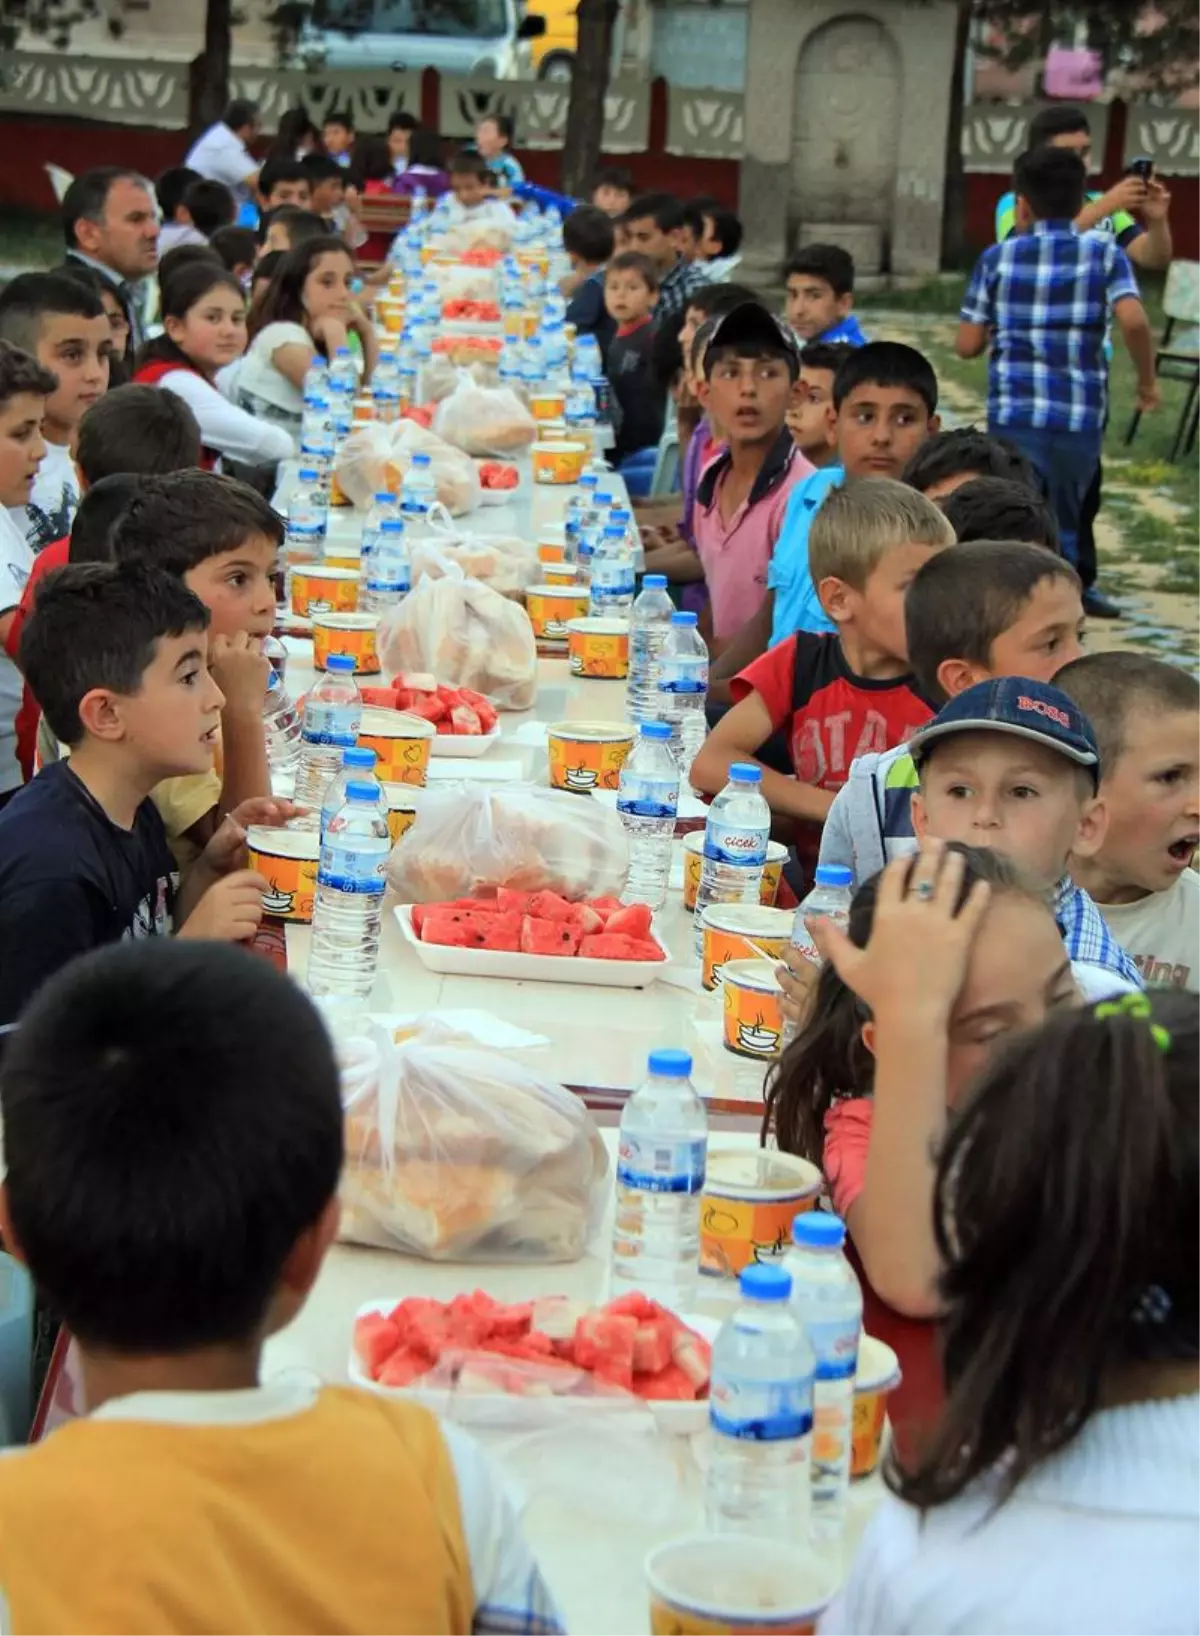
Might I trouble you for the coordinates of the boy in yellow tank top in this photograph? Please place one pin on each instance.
(173, 1134)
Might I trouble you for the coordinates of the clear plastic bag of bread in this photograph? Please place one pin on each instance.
(375, 457)
(506, 562)
(464, 633)
(454, 1152)
(484, 420)
(470, 839)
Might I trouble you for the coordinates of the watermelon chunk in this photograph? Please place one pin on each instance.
(692, 1353)
(383, 698)
(429, 707)
(419, 911)
(548, 936)
(503, 933)
(550, 906)
(375, 1339)
(456, 928)
(637, 1305)
(652, 1347)
(420, 681)
(668, 1384)
(606, 906)
(610, 946)
(586, 918)
(403, 1367)
(631, 921)
(507, 899)
(604, 1344)
(465, 721)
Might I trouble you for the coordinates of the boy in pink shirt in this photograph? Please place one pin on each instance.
(749, 370)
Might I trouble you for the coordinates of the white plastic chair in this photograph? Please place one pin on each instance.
(60, 180)
(1178, 354)
(666, 466)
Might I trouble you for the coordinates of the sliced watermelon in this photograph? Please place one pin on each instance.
(465, 721)
(503, 933)
(631, 921)
(403, 1367)
(429, 707)
(455, 929)
(383, 698)
(375, 1339)
(586, 918)
(404, 698)
(548, 936)
(637, 1305)
(550, 906)
(419, 911)
(611, 946)
(604, 1344)
(692, 1353)
(606, 906)
(668, 1384)
(420, 681)
(652, 1347)
(507, 899)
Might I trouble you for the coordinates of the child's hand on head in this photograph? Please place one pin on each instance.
(231, 910)
(241, 670)
(916, 957)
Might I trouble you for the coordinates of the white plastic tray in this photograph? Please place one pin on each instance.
(463, 746)
(544, 968)
(505, 1409)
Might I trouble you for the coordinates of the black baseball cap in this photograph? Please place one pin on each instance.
(1016, 705)
(753, 325)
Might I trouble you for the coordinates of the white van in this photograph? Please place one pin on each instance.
(454, 36)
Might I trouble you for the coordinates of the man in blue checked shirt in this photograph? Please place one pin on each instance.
(1043, 299)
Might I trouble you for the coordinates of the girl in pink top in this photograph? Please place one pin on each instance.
(948, 954)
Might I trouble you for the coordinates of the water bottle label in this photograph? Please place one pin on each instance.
(835, 1343)
(683, 679)
(351, 869)
(648, 798)
(333, 724)
(760, 1411)
(730, 843)
(648, 1165)
(414, 510)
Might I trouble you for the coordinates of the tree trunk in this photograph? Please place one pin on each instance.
(208, 80)
(595, 21)
(954, 192)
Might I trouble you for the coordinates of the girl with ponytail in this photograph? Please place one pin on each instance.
(1059, 1492)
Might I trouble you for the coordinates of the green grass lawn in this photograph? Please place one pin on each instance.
(29, 241)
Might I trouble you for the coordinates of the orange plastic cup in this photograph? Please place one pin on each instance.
(751, 1198)
(287, 860)
(741, 931)
(752, 1009)
(551, 550)
(548, 405)
(877, 1375)
(319, 588)
(598, 648)
(402, 809)
(352, 633)
(551, 608)
(737, 1585)
(588, 755)
(693, 857)
(402, 744)
(558, 462)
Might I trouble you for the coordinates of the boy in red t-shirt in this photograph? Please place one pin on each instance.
(835, 696)
(134, 431)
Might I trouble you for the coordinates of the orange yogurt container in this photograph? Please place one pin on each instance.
(752, 1010)
(548, 405)
(737, 1585)
(551, 608)
(320, 588)
(402, 745)
(558, 461)
(352, 633)
(587, 755)
(751, 1198)
(693, 862)
(598, 648)
(877, 1375)
(402, 809)
(287, 860)
(741, 931)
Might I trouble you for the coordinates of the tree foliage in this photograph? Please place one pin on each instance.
(1153, 45)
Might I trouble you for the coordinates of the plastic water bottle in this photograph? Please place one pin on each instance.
(281, 727)
(647, 802)
(662, 1153)
(579, 414)
(348, 909)
(423, 349)
(316, 379)
(508, 370)
(735, 844)
(683, 687)
(830, 898)
(761, 1414)
(649, 623)
(358, 767)
(385, 504)
(587, 357)
(533, 366)
(406, 368)
(385, 388)
(554, 340)
(332, 712)
(578, 507)
(317, 441)
(827, 1301)
(307, 519)
(613, 577)
(388, 574)
(343, 377)
(593, 523)
(418, 494)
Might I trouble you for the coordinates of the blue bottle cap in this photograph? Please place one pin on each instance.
(744, 771)
(670, 1064)
(359, 756)
(654, 582)
(682, 616)
(340, 662)
(342, 352)
(308, 474)
(819, 1230)
(656, 729)
(385, 497)
(420, 460)
(833, 874)
(392, 525)
(765, 1281)
(356, 790)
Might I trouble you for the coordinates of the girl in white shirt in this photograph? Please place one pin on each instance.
(1059, 1491)
(308, 311)
(204, 329)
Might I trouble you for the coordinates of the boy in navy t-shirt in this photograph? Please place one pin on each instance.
(835, 697)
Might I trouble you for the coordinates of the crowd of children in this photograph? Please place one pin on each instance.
(1001, 1102)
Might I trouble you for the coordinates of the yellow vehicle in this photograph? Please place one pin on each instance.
(553, 53)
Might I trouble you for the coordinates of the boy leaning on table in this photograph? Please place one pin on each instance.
(118, 660)
(175, 1206)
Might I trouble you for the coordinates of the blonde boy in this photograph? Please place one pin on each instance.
(1146, 715)
(835, 697)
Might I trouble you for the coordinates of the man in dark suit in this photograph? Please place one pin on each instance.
(110, 223)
